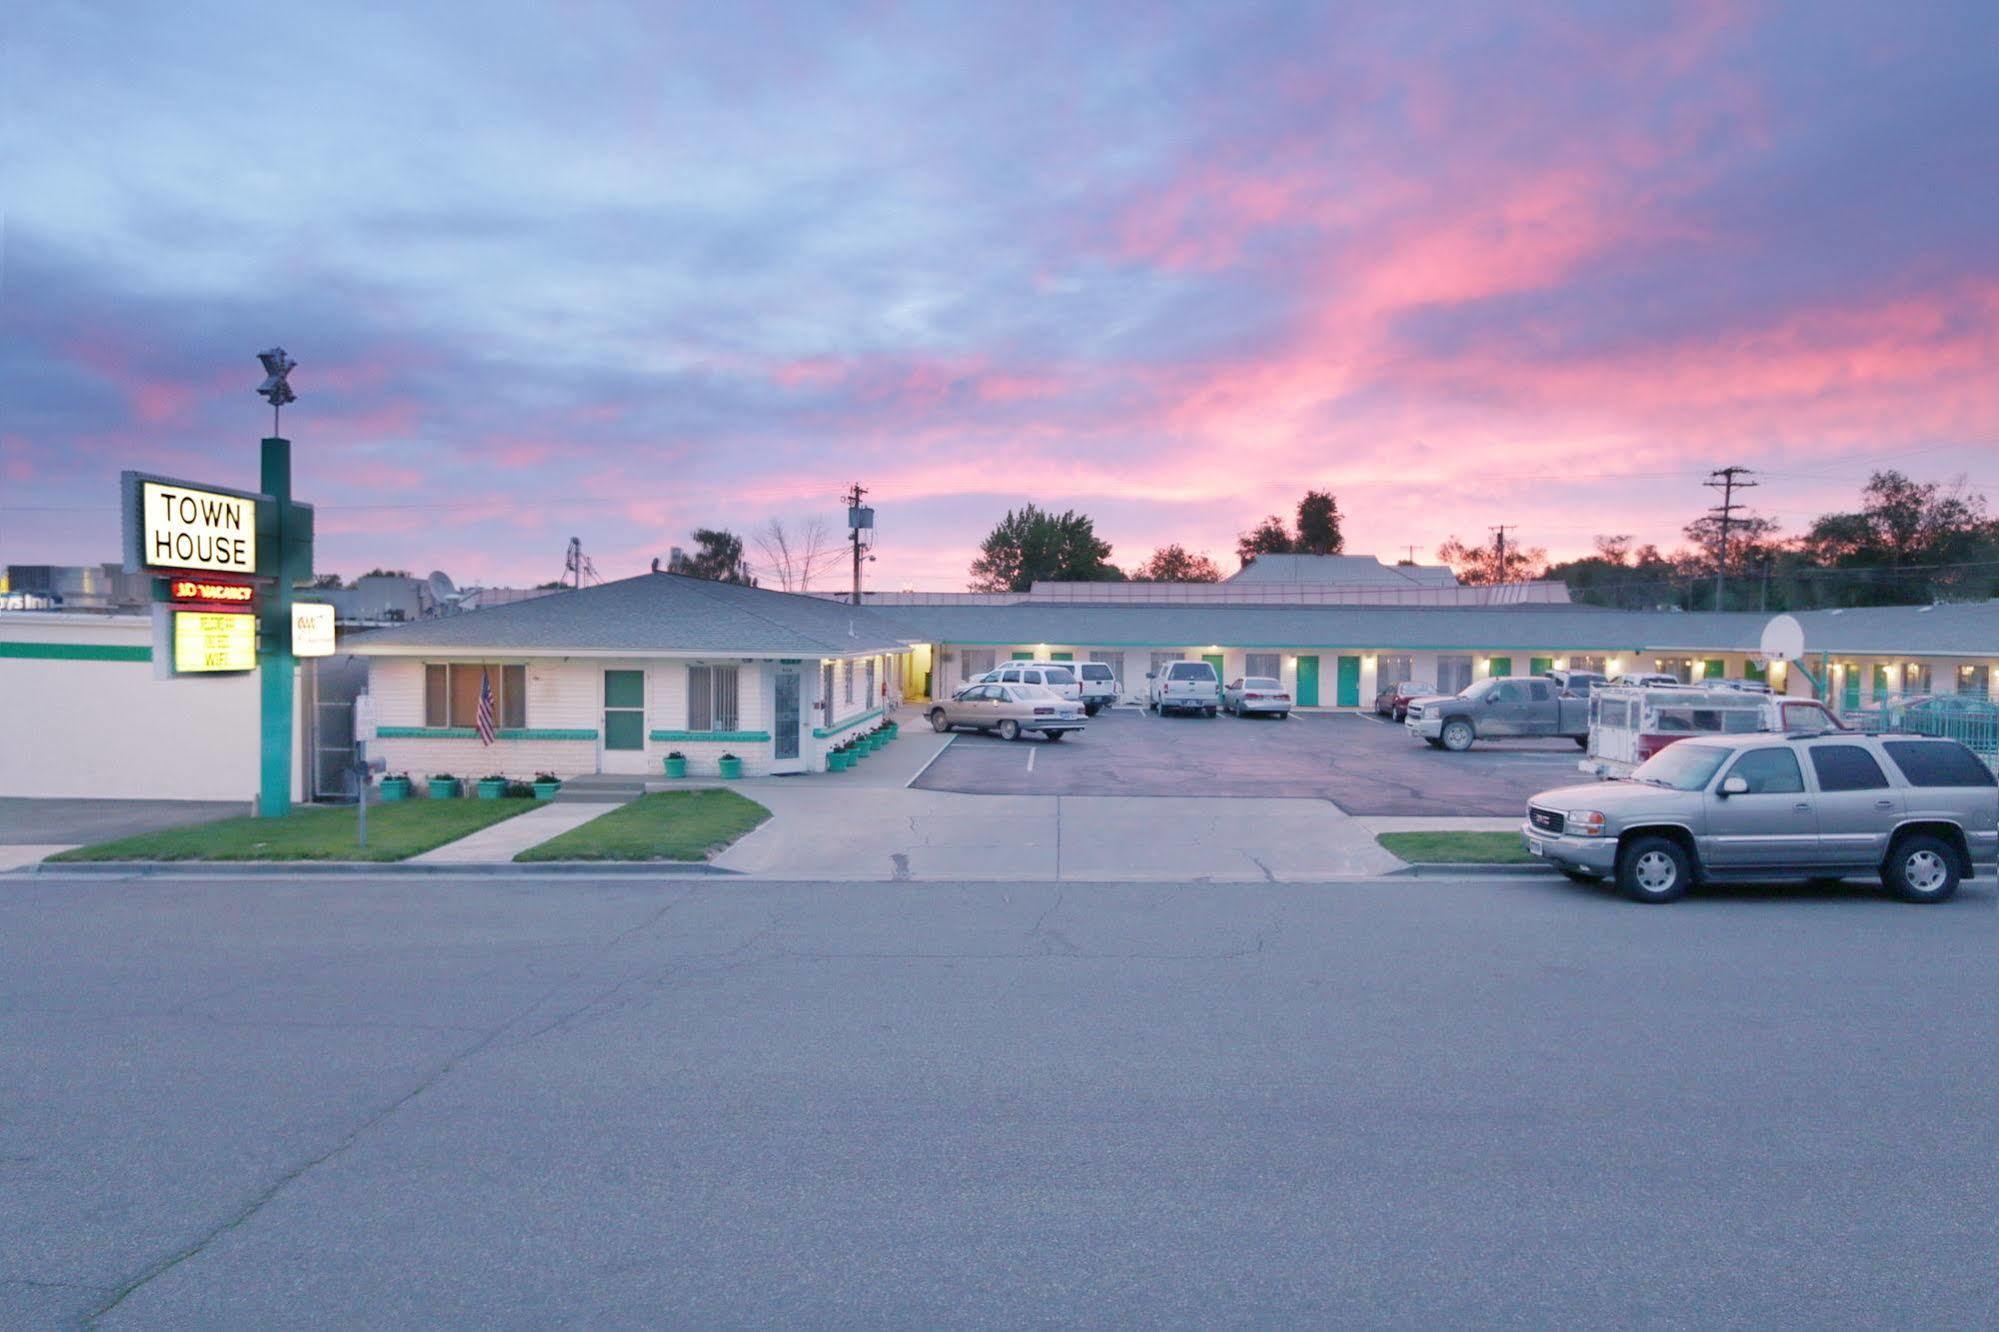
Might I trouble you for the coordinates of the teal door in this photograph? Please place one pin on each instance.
(1308, 682)
(1540, 665)
(1214, 659)
(1880, 683)
(624, 710)
(1849, 692)
(1714, 668)
(1501, 666)
(1754, 670)
(1349, 682)
(1061, 656)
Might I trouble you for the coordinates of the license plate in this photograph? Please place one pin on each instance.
(1534, 848)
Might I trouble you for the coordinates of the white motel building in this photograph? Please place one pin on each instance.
(612, 678)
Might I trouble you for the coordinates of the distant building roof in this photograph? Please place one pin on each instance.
(1340, 570)
(651, 614)
(1954, 630)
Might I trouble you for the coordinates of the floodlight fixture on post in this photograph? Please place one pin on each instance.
(276, 386)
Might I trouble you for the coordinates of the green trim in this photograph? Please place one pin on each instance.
(827, 732)
(470, 733)
(725, 737)
(75, 652)
(1361, 647)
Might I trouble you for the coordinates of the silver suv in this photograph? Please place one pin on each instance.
(1921, 813)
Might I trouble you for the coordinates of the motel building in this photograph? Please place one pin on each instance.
(612, 678)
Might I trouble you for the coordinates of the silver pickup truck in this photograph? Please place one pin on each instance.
(1513, 705)
(1922, 813)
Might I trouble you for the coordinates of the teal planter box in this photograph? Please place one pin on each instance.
(546, 790)
(489, 790)
(732, 768)
(836, 761)
(394, 788)
(675, 767)
(441, 790)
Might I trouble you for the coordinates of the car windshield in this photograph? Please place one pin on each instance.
(1260, 682)
(1190, 670)
(1687, 766)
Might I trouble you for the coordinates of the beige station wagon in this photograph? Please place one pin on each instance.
(1008, 709)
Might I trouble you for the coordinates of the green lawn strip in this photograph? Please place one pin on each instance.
(667, 825)
(1457, 848)
(396, 831)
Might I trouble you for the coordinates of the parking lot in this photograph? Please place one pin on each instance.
(1363, 765)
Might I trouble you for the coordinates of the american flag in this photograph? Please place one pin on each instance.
(485, 707)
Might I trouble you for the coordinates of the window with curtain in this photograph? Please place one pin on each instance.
(451, 694)
(974, 662)
(1394, 669)
(712, 694)
(1161, 660)
(1266, 664)
(871, 682)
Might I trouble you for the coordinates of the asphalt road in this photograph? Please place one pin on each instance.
(1363, 765)
(512, 1103)
(38, 822)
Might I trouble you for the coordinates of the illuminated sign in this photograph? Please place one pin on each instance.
(312, 629)
(214, 641)
(211, 592)
(186, 527)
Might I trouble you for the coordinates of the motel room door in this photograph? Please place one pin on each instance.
(1308, 682)
(1349, 683)
(623, 746)
(787, 719)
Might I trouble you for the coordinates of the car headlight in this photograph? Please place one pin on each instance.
(1585, 823)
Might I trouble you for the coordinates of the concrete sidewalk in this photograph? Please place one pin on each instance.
(501, 841)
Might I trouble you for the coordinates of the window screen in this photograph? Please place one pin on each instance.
(436, 696)
(1846, 768)
(1938, 763)
(847, 680)
(1453, 673)
(1262, 663)
(1769, 771)
(1392, 669)
(974, 662)
(712, 693)
(1595, 664)
(870, 696)
(1161, 660)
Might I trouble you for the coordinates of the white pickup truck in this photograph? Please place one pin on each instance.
(1184, 686)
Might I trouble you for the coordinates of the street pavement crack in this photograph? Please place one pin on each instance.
(155, 1270)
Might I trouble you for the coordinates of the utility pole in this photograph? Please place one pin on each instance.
(1499, 551)
(860, 520)
(1725, 511)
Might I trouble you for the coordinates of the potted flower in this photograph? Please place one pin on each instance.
(395, 786)
(676, 764)
(732, 767)
(857, 748)
(492, 787)
(546, 784)
(441, 786)
(837, 759)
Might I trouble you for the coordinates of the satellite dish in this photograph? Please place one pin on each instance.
(441, 587)
(1783, 639)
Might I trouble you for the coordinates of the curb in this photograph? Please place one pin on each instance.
(392, 868)
(1448, 871)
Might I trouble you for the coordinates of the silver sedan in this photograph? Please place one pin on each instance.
(1256, 693)
(1008, 709)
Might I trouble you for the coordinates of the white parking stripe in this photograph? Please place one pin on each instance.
(1030, 759)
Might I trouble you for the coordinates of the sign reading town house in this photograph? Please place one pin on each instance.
(174, 526)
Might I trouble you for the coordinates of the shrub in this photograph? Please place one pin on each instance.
(518, 791)
(547, 777)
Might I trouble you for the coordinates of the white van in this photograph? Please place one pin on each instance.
(1059, 676)
(1185, 686)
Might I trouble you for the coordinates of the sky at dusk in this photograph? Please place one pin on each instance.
(618, 271)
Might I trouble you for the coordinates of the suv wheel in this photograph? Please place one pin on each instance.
(1009, 729)
(1921, 868)
(938, 722)
(1457, 736)
(1654, 869)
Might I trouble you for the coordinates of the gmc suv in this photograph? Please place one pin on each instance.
(1922, 813)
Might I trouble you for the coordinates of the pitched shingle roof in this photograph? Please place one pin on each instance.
(658, 613)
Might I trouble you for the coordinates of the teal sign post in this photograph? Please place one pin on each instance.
(284, 537)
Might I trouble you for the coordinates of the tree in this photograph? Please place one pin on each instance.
(1266, 538)
(327, 582)
(1176, 564)
(718, 557)
(386, 573)
(796, 555)
(1031, 544)
(1481, 565)
(1319, 525)
(1904, 523)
